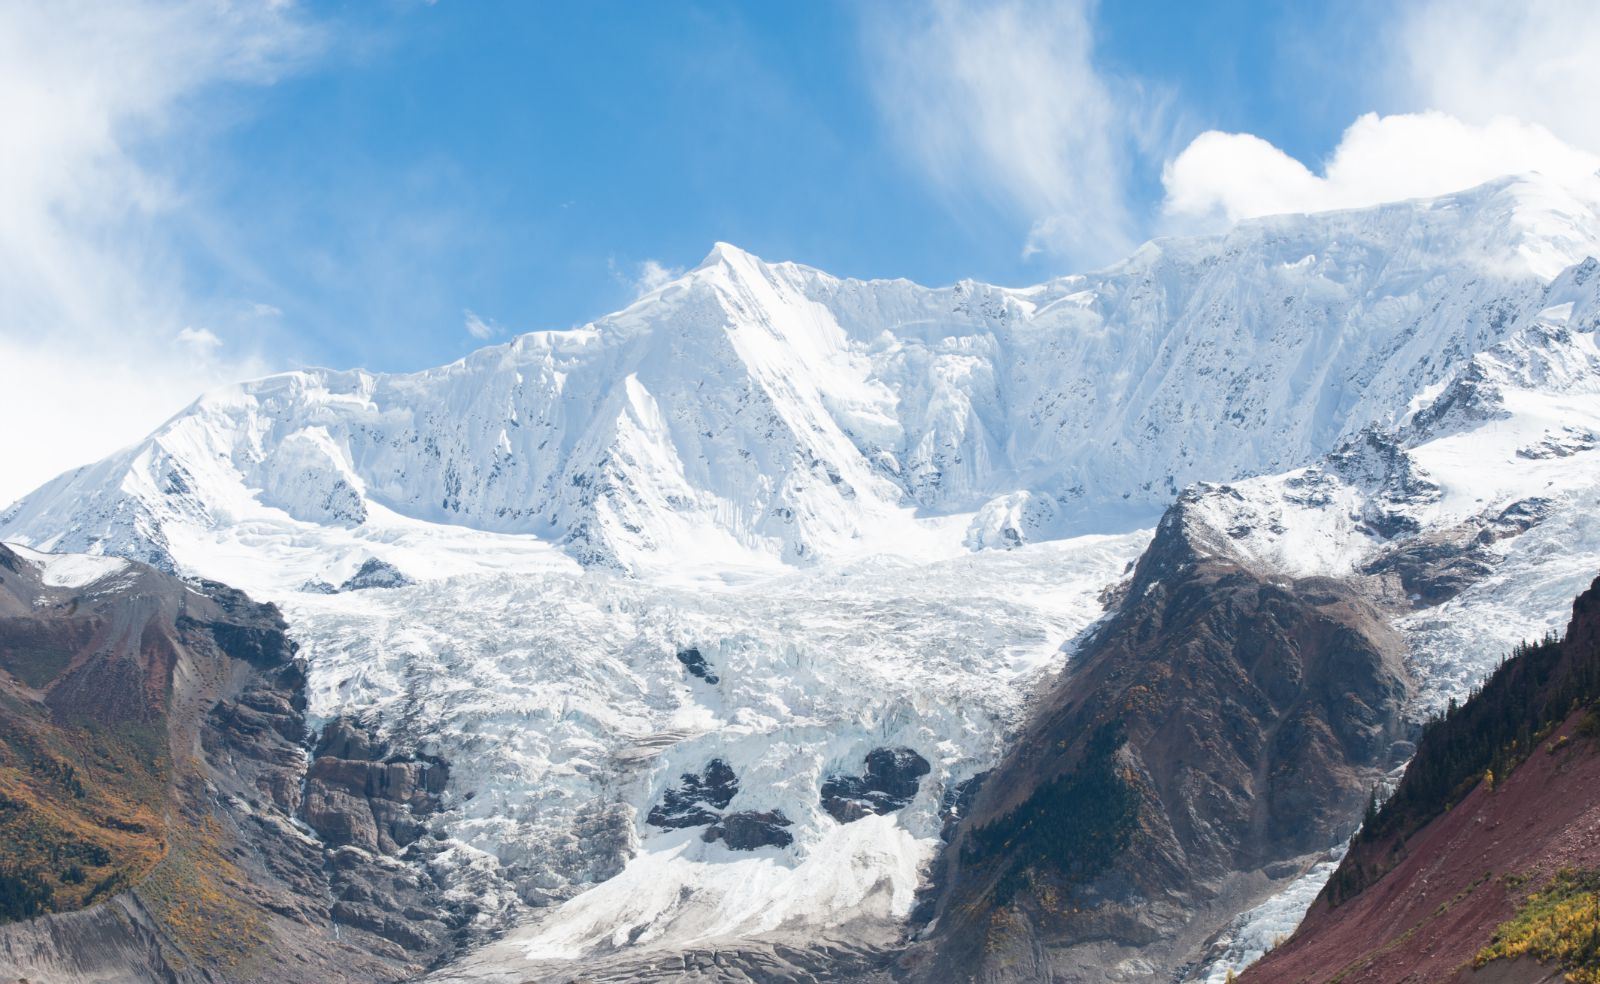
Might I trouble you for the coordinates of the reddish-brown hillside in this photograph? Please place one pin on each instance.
(1418, 902)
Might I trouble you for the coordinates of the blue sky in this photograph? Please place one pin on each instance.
(523, 161)
(196, 191)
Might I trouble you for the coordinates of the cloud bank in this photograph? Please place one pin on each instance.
(1480, 59)
(1223, 177)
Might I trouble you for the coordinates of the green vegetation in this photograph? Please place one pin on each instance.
(189, 890)
(1070, 829)
(22, 894)
(1491, 732)
(1561, 923)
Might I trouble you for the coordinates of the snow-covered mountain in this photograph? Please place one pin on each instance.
(774, 412)
(798, 479)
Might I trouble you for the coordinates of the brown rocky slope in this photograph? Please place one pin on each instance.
(1217, 728)
(153, 767)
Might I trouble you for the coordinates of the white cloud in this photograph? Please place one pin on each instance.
(479, 328)
(203, 342)
(653, 275)
(1229, 176)
(1500, 89)
(1479, 59)
(647, 275)
(93, 308)
(1003, 99)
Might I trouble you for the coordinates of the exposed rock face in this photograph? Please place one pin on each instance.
(750, 829)
(359, 791)
(366, 798)
(152, 737)
(888, 783)
(1435, 566)
(698, 799)
(1453, 855)
(696, 664)
(375, 573)
(1215, 727)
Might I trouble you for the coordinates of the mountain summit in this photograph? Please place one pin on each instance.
(770, 412)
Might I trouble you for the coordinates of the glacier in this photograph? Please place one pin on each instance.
(884, 512)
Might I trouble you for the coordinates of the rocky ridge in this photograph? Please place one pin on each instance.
(153, 733)
(1215, 730)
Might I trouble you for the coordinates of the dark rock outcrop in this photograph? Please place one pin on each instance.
(1376, 461)
(749, 830)
(888, 783)
(375, 573)
(698, 799)
(361, 792)
(1216, 726)
(695, 662)
(1435, 566)
(367, 799)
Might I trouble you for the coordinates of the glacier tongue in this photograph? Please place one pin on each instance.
(565, 714)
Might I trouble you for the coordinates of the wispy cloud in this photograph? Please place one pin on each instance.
(1481, 59)
(653, 275)
(480, 328)
(95, 313)
(1004, 100)
(645, 276)
(203, 342)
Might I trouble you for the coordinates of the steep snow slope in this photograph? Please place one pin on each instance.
(772, 411)
(1480, 498)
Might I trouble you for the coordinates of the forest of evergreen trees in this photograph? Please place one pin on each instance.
(1500, 724)
(22, 894)
(1071, 828)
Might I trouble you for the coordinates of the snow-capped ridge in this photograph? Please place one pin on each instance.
(774, 413)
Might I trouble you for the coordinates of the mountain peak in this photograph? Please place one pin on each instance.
(726, 254)
(837, 403)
